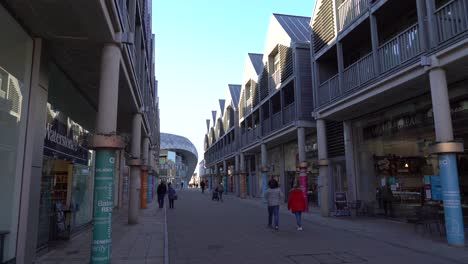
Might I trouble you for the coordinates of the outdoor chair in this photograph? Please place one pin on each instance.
(341, 205)
(426, 216)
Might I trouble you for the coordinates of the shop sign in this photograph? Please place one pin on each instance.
(64, 138)
(394, 126)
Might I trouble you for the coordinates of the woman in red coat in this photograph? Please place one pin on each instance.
(296, 204)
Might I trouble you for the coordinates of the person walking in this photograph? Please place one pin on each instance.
(273, 197)
(202, 185)
(387, 196)
(220, 190)
(297, 205)
(172, 195)
(161, 191)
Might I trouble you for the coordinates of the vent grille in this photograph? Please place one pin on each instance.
(14, 96)
(263, 84)
(323, 28)
(286, 62)
(255, 93)
(335, 139)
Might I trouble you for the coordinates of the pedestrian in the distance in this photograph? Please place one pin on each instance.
(273, 196)
(220, 190)
(297, 204)
(172, 195)
(161, 191)
(202, 185)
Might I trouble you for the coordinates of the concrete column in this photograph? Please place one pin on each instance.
(323, 170)
(447, 157)
(264, 161)
(243, 174)
(216, 176)
(105, 142)
(144, 174)
(302, 159)
(349, 155)
(135, 163)
(33, 157)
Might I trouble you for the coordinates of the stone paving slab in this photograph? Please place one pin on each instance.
(131, 244)
(235, 231)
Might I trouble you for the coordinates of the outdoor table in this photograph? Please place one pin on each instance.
(2, 243)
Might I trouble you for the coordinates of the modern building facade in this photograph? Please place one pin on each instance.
(178, 159)
(78, 105)
(273, 115)
(354, 101)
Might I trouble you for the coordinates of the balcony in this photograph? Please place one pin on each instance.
(276, 121)
(358, 73)
(399, 49)
(328, 91)
(123, 14)
(451, 19)
(289, 113)
(349, 11)
(266, 126)
(392, 54)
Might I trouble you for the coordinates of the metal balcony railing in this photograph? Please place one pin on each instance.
(266, 126)
(289, 113)
(451, 19)
(123, 14)
(399, 49)
(328, 90)
(276, 121)
(358, 73)
(349, 11)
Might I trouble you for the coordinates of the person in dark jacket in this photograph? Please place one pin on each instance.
(161, 191)
(387, 196)
(297, 204)
(171, 195)
(202, 185)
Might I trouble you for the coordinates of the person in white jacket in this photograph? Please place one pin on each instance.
(273, 196)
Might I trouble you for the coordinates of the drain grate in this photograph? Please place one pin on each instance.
(326, 258)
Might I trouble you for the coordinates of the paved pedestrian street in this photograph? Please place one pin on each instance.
(235, 231)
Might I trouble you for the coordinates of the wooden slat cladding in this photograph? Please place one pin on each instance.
(263, 84)
(305, 89)
(335, 139)
(323, 27)
(255, 93)
(242, 105)
(286, 62)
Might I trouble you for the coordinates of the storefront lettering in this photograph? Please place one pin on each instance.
(59, 139)
(393, 126)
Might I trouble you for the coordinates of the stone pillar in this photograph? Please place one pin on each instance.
(135, 172)
(447, 149)
(302, 161)
(264, 160)
(144, 174)
(350, 158)
(105, 142)
(323, 170)
(243, 174)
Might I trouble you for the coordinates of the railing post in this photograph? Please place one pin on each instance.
(375, 44)
(431, 25)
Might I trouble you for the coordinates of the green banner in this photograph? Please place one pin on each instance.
(103, 205)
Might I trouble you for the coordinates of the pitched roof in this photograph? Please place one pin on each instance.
(257, 62)
(297, 27)
(235, 90)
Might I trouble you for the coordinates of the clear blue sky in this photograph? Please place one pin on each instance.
(201, 47)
